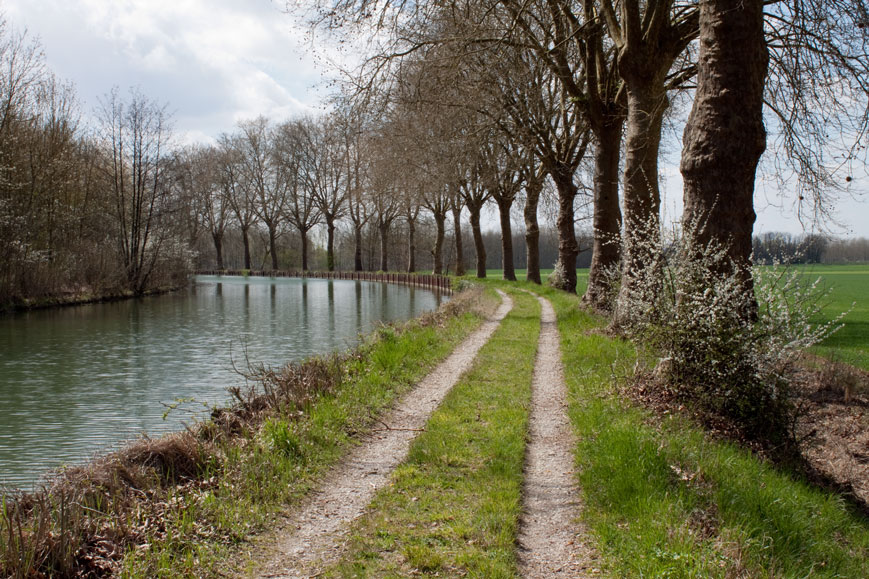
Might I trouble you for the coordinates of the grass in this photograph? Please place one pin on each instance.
(180, 506)
(452, 507)
(664, 500)
(849, 290)
(288, 455)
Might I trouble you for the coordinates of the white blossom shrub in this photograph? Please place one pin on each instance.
(727, 347)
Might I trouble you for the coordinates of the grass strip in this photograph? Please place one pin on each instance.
(664, 500)
(275, 465)
(452, 507)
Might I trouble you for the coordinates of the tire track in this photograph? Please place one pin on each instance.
(551, 539)
(317, 532)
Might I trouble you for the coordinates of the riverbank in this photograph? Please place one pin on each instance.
(80, 299)
(193, 494)
(662, 494)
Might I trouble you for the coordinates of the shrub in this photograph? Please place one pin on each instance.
(694, 310)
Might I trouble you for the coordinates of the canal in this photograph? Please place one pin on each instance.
(80, 380)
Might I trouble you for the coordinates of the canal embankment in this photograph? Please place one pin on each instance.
(196, 493)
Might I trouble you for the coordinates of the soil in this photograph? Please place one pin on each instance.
(833, 403)
(552, 542)
(832, 425)
(315, 534)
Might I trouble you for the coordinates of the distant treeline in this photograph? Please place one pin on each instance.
(776, 247)
(290, 250)
(85, 211)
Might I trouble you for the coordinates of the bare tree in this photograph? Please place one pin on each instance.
(136, 133)
(265, 177)
(325, 174)
(299, 181)
(236, 189)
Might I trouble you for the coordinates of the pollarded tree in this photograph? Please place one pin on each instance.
(475, 195)
(504, 179)
(650, 37)
(547, 120)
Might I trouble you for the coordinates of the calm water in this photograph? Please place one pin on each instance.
(78, 380)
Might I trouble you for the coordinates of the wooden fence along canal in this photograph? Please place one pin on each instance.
(438, 283)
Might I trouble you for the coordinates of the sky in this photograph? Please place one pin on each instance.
(217, 62)
(214, 62)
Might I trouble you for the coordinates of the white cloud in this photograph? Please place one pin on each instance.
(214, 61)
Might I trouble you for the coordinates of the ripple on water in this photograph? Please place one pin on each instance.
(80, 380)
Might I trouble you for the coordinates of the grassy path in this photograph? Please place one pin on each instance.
(316, 529)
(551, 543)
(452, 509)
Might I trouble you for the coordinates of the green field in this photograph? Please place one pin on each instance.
(849, 289)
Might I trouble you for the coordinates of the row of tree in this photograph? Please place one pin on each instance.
(511, 95)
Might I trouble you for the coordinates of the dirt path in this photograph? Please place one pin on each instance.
(316, 532)
(551, 542)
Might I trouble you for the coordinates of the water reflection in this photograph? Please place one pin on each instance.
(77, 380)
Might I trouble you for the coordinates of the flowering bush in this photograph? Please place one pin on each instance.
(724, 343)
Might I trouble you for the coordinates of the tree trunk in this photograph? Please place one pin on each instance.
(437, 252)
(567, 248)
(273, 247)
(532, 230)
(504, 205)
(357, 251)
(479, 246)
(218, 249)
(607, 215)
(411, 249)
(330, 242)
(642, 198)
(725, 136)
(245, 239)
(303, 234)
(460, 250)
(383, 228)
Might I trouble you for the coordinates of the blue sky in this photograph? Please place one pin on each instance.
(216, 62)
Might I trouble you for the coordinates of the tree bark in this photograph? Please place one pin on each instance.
(725, 136)
(218, 248)
(357, 250)
(273, 246)
(504, 205)
(532, 230)
(437, 251)
(647, 102)
(479, 246)
(607, 219)
(460, 250)
(411, 250)
(330, 242)
(567, 247)
(245, 240)
(383, 228)
(304, 235)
